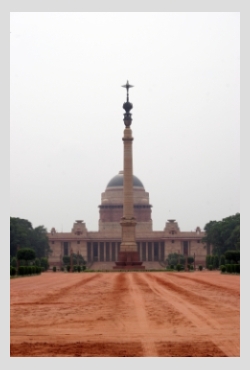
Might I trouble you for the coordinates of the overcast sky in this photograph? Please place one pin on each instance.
(66, 116)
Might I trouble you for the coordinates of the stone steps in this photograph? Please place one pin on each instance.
(154, 265)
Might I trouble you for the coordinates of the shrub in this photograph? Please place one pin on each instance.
(68, 268)
(78, 268)
(12, 271)
(37, 262)
(210, 267)
(66, 260)
(191, 267)
(222, 260)
(190, 259)
(200, 267)
(62, 268)
(172, 267)
(33, 269)
(13, 262)
(21, 270)
(232, 256)
(178, 267)
(54, 268)
(215, 262)
(223, 268)
(208, 260)
(83, 267)
(228, 267)
(237, 268)
(27, 254)
(44, 263)
(75, 268)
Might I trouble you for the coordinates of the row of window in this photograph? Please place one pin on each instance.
(121, 206)
(78, 241)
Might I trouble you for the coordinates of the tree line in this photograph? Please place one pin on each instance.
(223, 235)
(23, 235)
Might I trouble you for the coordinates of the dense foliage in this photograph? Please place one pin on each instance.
(232, 256)
(22, 234)
(223, 235)
(77, 259)
(26, 254)
(176, 258)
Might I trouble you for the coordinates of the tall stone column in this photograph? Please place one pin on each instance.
(128, 256)
(128, 221)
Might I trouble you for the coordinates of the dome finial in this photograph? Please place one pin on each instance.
(127, 107)
(127, 86)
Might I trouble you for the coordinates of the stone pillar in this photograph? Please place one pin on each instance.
(92, 251)
(128, 256)
(128, 221)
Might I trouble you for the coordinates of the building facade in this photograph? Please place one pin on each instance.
(104, 245)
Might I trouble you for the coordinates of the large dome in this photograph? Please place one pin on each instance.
(117, 181)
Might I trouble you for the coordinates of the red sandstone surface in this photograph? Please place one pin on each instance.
(125, 314)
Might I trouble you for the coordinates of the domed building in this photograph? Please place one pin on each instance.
(126, 235)
(111, 208)
(104, 245)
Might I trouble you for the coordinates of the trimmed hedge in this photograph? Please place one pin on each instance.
(210, 267)
(12, 271)
(200, 267)
(54, 269)
(223, 268)
(29, 270)
(232, 268)
(178, 267)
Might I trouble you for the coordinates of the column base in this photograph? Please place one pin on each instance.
(128, 261)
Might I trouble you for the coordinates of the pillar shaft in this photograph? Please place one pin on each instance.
(128, 221)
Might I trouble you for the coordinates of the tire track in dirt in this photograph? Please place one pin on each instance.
(192, 308)
(181, 302)
(120, 304)
(136, 296)
(209, 285)
(161, 312)
(53, 297)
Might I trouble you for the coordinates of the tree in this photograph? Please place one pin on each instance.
(20, 232)
(40, 241)
(176, 258)
(44, 263)
(223, 235)
(66, 260)
(232, 256)
(23, 234)
(26, 254)
(77, 259)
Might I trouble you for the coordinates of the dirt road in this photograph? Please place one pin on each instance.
(125, 314)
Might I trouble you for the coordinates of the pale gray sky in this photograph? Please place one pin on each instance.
(66, 116)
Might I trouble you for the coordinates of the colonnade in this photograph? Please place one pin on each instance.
(109, 251)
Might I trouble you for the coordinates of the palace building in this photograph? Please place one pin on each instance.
(125, 233)
(104, 244)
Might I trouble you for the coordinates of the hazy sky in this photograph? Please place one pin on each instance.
(66, 116)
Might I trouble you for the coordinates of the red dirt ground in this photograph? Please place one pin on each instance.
(142, 314)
